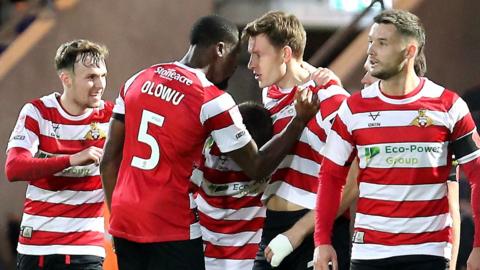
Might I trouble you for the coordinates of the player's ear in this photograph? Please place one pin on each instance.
(287, 54)
(65, 78)
(220, 49)
(411, 50)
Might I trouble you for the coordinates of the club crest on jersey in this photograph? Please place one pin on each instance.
(422, 120)
(95, 133)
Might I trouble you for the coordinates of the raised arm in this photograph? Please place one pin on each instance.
(258, 164)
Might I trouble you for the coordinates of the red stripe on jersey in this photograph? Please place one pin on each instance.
(306, 151)
(331, 105)
(54, 145)
(395, 239)
(409, 134)
(405, 176)
(314, 127)
(42, 238)
(341, 129)
(405, 209)
(210, 92)
(245, 252)
(219, 121)
(234, 203)
(448, 98)
(56, 183)
(231, 226)
(85, 210)
(280, 124)
(52, 114)
(288, 99)
(462, 127)
(223, 177)
(32, 125)
(297, 179)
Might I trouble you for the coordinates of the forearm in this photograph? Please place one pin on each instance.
(453, 205)
(350, 191)
(112, 158)
(262, 163)
(332, 179)
(301, 229)
(21, 166)
(109, 174)
(274, 151)
(456, 238)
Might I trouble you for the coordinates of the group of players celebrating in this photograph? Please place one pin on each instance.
(193, 181)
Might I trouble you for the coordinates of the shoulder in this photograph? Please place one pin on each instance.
(108, 105)
(332, 91)
(43, 104)
(447, 97)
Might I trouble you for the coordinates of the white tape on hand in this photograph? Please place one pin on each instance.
(281, 247)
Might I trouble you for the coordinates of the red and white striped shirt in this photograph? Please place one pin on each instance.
(231, 212)
(296, 178)
(403, 149)
(170, 110)
(63, 212)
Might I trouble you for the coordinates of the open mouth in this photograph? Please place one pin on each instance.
(256, 75)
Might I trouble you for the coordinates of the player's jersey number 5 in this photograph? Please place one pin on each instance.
(143, 136)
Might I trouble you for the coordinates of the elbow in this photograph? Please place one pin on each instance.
(11, 172)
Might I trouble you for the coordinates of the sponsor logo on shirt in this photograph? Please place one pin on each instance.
(239, 189)
(374, 116)
(422, 120)
(370, 152)
(412, 149)
(217, 188)
(239, 134)
(75, 171)
(95, 133)
(171, 74)
(26, 231)
(404, 155)
(358, 237)
(19, 137)
(401, 160)
(55, 127)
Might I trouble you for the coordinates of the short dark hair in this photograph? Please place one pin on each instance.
(281, 29)
(408, 25)
(420, 65)
(212, 29)
(258, 121)
(79, 50)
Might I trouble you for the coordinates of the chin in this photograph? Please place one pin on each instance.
(95, 104)
(263, 84)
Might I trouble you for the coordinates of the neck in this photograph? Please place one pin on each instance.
(70, 106)
(401, 84)
(193, 58)
(295, 75)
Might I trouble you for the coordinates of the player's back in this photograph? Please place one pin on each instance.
(164, 134)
